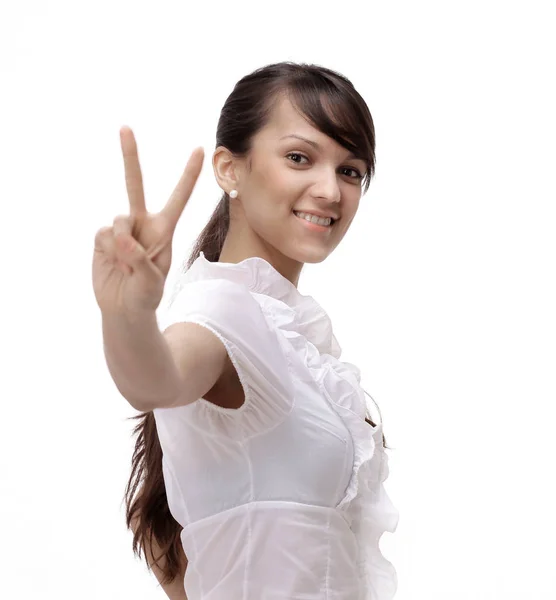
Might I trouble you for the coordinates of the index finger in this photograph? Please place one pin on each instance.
(133, 177)
(177, 201)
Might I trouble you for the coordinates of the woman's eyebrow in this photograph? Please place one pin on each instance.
(316, 145)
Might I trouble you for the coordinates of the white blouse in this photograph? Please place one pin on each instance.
(282, 498)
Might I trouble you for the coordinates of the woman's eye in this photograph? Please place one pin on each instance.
(296, 154)
(356, 176)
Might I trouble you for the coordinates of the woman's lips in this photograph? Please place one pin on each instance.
(314, 226)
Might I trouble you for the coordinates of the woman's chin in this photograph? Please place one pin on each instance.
(311, 255)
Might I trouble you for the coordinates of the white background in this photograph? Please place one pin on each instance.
(443, 291)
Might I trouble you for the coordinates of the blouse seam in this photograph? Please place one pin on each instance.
(249, 516)
(354, 475)
(184, 504)
(338, 490)
(327, 573)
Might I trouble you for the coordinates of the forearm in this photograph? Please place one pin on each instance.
(139, 360)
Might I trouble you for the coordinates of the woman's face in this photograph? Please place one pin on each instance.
(287, 175)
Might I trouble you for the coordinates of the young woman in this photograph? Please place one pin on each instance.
(257, 474)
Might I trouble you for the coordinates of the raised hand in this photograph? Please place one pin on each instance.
(132, 258)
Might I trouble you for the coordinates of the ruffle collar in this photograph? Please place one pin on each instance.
(295, 311)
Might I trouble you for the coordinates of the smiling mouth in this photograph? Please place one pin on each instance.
(314, 220)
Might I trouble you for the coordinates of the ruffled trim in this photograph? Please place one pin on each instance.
(375, 514)
(366, 504)
(291, 310)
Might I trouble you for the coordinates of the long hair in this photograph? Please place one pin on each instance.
(331, 103)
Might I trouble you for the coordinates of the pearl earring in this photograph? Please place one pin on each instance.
(233, 194)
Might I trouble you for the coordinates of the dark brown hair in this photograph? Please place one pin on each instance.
(332, 105)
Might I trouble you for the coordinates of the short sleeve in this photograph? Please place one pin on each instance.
(233, 315)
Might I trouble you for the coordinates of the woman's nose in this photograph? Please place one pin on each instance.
(327, 186)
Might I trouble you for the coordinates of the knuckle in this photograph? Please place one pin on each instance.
(104, 239)
(103, 233)
(121, 220)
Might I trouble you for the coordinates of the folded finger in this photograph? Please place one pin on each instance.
(122, 225)
(104, 241)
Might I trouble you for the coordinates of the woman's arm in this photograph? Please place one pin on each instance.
(139, 360)
(161, 370)
(174, 590)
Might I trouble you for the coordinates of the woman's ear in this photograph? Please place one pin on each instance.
(225, 169)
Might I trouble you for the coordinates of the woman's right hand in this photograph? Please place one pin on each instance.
(132, 258)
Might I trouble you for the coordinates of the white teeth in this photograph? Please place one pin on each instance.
(313, 218)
